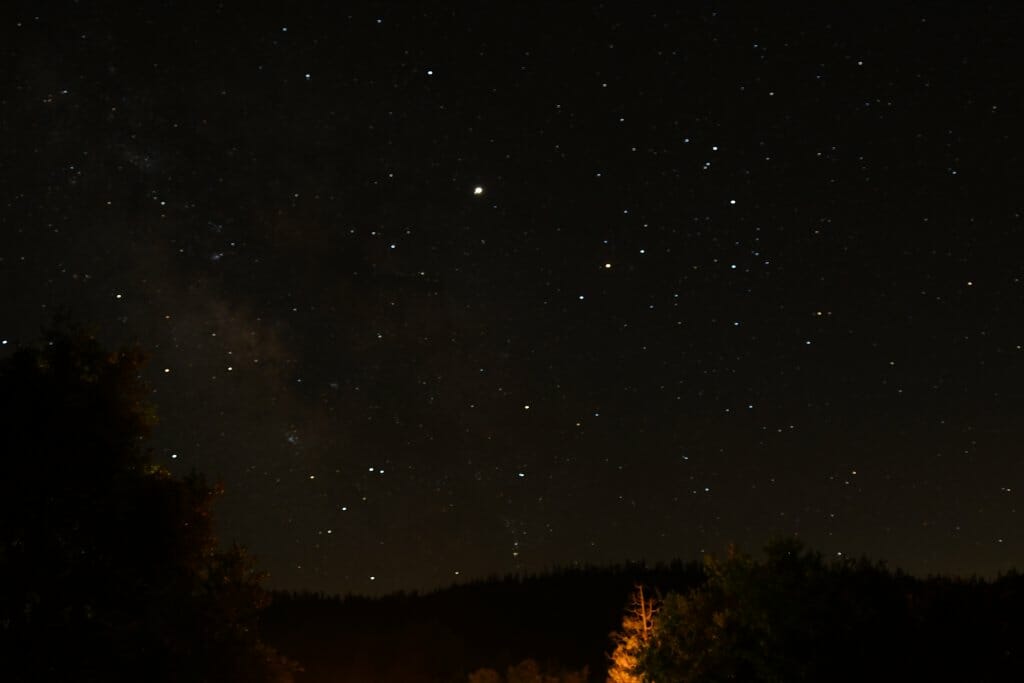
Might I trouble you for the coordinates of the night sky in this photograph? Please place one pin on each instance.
(442, 293)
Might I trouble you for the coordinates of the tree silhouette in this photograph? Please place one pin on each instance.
(109, 565)
(796, 617)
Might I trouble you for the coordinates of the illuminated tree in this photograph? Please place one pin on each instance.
(630, 642)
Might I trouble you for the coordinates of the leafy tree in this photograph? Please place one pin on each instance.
(699, 636)
(793, 617)
(109, 564)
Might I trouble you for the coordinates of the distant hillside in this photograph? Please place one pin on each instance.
(562, 620)
(793, 616)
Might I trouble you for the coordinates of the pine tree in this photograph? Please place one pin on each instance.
(637, 625)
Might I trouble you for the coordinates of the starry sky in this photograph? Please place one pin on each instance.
(440, 291)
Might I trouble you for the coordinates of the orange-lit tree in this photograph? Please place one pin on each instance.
(636, 633)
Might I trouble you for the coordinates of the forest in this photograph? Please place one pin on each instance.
(790, 615)
(111, 571)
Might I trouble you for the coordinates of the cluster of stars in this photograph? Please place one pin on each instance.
(452, 268)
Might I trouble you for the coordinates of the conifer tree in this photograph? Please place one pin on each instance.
(637, 625)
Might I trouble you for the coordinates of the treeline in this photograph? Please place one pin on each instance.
(792, 615)
(795, 616)
(558, 623)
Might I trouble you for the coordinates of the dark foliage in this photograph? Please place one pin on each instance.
(797, 617)
(561, 620)
(109, 566)
(793, 616)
